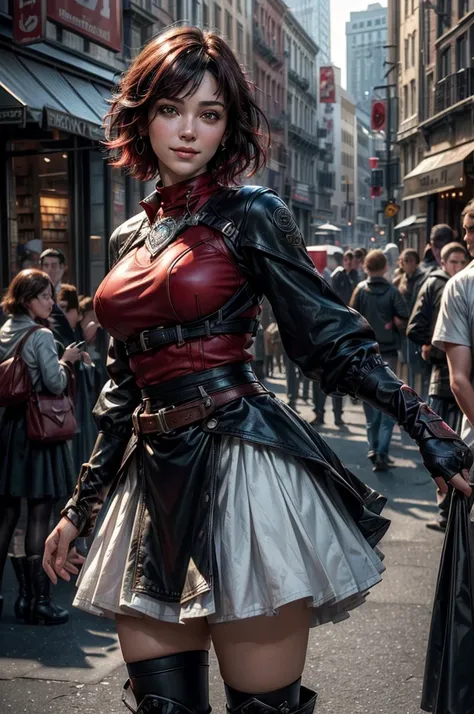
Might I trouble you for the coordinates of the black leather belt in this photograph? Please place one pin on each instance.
(180, 334)
(185, 389)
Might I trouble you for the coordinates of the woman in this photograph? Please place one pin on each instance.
(227, 509)
(41, 474)
(85, 374)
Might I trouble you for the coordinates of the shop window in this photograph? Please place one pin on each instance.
(205, 15)
(97, 238)
(41, 206)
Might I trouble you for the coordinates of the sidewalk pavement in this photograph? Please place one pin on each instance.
(369, 664)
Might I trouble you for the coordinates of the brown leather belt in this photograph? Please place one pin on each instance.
(165, 420)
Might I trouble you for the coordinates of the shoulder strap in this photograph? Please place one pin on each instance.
(22, 342)
(224, 210)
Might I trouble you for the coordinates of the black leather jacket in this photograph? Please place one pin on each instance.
(327, 340)
(421, 327)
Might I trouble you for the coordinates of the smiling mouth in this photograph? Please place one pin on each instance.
(185, 152)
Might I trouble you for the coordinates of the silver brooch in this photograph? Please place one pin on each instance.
(162, 233)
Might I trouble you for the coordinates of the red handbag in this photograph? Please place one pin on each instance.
(50, 418)
(15, 381)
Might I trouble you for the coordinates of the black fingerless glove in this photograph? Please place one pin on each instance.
(444, 453)
(95, 479)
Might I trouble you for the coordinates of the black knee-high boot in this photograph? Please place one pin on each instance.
(293, 699)
(25, 592)
(176, 684)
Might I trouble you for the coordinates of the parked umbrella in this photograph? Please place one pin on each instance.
(448, 686)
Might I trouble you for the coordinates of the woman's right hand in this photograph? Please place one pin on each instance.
(56, 549)
(71, 354)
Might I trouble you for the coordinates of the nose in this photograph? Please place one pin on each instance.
(187, 130)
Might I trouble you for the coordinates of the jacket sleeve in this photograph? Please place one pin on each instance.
(400, 308)
(419, 328)
(331, 342)
(54, 374)
(113, 413)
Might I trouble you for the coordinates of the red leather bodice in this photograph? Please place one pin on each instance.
(194, 277)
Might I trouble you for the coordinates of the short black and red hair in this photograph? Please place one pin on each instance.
(173, 62)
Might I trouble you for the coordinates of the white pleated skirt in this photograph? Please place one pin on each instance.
(279, 533)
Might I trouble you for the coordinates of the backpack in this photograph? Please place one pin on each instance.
(15, 381)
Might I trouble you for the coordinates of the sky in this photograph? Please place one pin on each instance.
(340, 12)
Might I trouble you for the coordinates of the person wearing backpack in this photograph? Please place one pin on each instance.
(41, 473)
(386, 311)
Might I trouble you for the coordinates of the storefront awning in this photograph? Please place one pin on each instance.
(441, 172)
(411, 222)
(31, 91)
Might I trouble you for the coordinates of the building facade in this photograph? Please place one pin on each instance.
(365, 206)
(56, 190)
(269, 76)
(345, 152)
(366, 40)
(301, 123)
(442, 176)
(315, 17)
(231, 20)
(407, 60)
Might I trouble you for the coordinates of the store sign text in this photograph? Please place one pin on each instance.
(72, 125)
(98, 20)
(29, 21)
(16, 115)
(434, 181)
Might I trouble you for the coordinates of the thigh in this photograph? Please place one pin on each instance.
(262, 654)
(146, 638)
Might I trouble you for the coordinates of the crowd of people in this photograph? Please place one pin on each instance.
(209, 502)
(67, 355)
(400, 301)
(400, 296)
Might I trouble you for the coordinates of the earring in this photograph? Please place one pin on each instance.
(140, 146)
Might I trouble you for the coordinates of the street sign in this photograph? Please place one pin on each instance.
(391, 209)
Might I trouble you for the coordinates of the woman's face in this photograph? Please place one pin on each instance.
(186, 133)
(42, 304)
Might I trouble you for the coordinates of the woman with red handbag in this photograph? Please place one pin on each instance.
(41, 472)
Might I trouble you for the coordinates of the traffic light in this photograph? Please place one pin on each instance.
(376, 177)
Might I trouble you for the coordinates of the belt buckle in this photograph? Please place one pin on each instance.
(160, 418)
(142, 338)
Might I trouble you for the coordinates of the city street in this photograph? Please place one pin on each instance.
(369, 664)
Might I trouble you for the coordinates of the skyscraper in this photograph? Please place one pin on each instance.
(315, 17)
(366, 36)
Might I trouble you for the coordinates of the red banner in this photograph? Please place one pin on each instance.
(378, 115)
(327, 85)
(29, 21)
(98, 20)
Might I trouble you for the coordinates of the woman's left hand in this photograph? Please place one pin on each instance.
(460, 482)
(86, 358)
(73, 562)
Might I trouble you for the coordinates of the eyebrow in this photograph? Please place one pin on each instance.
(201, 104)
